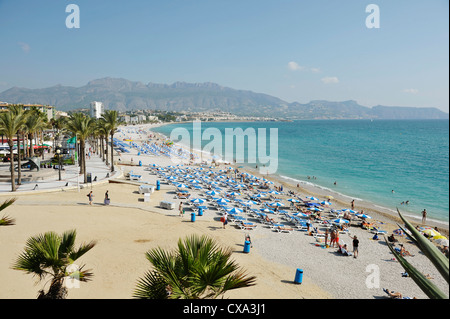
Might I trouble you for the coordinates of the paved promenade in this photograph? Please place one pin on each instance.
(94, 165)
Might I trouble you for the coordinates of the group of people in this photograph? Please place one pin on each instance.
(106, 201)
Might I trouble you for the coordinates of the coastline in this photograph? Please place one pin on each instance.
(130, 227)
(342, 200)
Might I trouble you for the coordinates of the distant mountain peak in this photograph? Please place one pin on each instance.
(122, 94)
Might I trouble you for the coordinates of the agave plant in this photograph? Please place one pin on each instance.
(6, 220)
(198, 269)
(54, 255)
(433, 254)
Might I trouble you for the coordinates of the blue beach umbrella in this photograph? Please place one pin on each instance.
(235, 210)
(181, 185)
(312, 198)
(301, 215)
(340, 221)
(222, 201)
(325, 203)
(293, 200)
(363, 216)
(277, 204)
(233, 194)
(266, 210)
(212, 193)
(197, 201)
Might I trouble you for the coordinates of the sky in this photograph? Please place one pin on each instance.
(293, 49)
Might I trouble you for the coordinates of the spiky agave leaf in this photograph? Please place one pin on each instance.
(428, 287)
(429, 249)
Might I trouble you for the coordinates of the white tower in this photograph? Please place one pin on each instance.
(97, 109)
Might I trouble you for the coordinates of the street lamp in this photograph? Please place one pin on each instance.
(58, 151)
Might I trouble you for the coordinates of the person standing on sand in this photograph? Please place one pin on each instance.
(225, 219)
(180, 208)
(355, 246)
(353, 204)
(326, 236)
(424, 216)
(91, 197)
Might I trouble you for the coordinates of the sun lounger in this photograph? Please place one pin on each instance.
(378, 231)
(284, 229)
(246, 225)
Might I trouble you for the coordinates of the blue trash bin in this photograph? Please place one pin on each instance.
(192, 217)
(298, 276)
(158, 185)
(140, 163)
(246, 247)
(200, 211)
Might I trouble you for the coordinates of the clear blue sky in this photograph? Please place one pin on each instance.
(295, 50)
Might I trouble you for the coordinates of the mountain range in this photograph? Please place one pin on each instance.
(123, 95)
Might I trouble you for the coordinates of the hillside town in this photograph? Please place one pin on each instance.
(96, 109)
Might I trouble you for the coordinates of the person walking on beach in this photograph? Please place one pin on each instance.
(353, 204)
(106, 201)
(355, 246)
(91, 197)
(180, 208)
(332, 238)
(225, 219)
(326, 237)
(424, 216)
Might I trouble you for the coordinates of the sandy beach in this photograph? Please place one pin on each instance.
(129, 227)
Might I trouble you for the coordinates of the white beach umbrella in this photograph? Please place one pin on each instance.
(277, 204)
(235, 210)
(197, 201)
(222, 201)
(340, 221)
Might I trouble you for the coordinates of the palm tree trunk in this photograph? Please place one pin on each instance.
(31, 145)
(83, 160)
(19, 162)
(11, 166)
(106, 152)
(112, 152)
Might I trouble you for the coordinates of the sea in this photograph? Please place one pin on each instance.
(391, 164)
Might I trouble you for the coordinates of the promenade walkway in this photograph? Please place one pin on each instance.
(94, 165)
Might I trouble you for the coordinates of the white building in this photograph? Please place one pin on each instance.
(97, 109)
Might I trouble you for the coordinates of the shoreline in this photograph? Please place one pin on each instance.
(129, 227)
(316, 190)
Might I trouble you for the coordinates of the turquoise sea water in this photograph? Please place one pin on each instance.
(367, 159)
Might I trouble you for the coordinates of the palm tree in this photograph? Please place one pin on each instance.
(54, 255)
(198, 269)
(33, 125)
(10, 123)
(18, 111)
(5, 220)
(103, 134)
(112, 121)
(81, 125)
